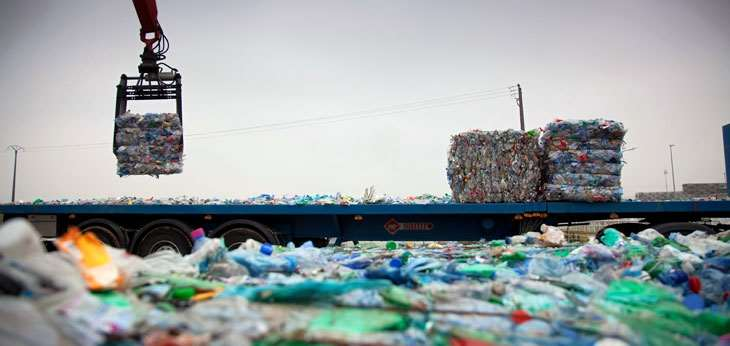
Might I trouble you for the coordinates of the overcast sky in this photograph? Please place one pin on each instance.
(661, 67)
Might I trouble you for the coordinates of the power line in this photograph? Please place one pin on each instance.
(473, 96)
(343, 115)
(282, 126)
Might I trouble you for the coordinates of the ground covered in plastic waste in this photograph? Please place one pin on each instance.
(536, 289)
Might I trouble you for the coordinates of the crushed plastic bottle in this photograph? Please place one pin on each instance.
(206, 251)
(612, 237)
(547, 266)
(259, 264)
(552, 236)
(93, 258)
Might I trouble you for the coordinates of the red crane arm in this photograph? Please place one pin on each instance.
(151, 30)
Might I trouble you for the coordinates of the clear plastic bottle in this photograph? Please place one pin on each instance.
(259, 264)
(206, 251)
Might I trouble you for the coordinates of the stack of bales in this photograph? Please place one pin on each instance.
(583, 160)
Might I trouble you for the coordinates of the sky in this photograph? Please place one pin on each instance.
(661, 67)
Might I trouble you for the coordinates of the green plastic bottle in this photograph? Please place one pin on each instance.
(182, 293)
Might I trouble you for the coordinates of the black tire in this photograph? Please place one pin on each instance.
(682, 228)
(164, 234)
(236, 232)
(107, 231)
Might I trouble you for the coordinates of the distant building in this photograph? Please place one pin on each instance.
(689, 192)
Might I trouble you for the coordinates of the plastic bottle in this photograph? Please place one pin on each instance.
(673, 277)
(389, 273)
(251, 245)
(547, 266)
(358, 262)
(182, 293)
(391, 245)
(199, 238)
(714, 285)
(307, 257)
(259, 264)
(206, 251)
(611, 237)
(512, 257)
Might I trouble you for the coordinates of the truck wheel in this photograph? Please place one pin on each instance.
(236, 232)
(107, 231)
(682, 228)
(164, 234)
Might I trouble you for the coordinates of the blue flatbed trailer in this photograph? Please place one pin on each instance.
(146, 228)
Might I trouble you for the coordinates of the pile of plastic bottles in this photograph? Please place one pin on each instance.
(264, 199)
(494, 166)
(583, 160)
(534, 289)
(149, 144)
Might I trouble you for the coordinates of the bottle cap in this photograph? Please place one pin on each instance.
(266, 249)
(197, 233)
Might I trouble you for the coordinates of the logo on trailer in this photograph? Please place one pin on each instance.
(393, 226)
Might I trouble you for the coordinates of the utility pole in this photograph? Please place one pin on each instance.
(14, 148)
(671, 159)
(521, 105)
(666, 185)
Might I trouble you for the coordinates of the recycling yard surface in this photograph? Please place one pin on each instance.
(532, 289)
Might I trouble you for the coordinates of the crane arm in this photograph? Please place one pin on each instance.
(151, 31)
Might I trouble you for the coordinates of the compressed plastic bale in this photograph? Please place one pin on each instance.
(494, 166)
(583, 160)
(148, 144)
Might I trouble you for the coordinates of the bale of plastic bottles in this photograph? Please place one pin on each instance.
(148, 144)
(494, 166)
(583, 160)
